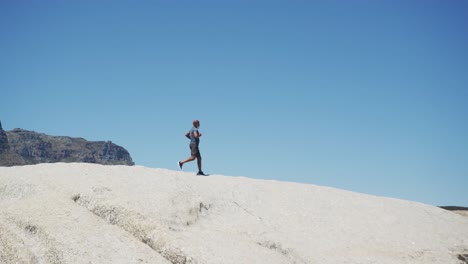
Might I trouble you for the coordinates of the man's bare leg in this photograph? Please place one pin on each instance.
(181, 163)
(199, 164)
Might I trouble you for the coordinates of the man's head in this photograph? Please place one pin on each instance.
(196, 123)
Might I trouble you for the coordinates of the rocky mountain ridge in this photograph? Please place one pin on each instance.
(24, 147)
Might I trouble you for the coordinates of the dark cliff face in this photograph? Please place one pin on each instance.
(22, 147)
(3, 140)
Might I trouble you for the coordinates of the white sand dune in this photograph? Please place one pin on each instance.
(84, 213)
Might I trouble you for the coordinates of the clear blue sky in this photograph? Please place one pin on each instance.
(367, 96)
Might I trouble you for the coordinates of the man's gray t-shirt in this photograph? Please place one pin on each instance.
(192, 136)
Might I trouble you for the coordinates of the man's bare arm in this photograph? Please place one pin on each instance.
(187, 135)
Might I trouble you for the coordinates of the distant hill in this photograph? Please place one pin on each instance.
(23, 147)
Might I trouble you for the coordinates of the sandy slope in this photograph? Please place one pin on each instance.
(460, 212)
(84, 213)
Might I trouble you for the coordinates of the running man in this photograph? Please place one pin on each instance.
(194, 136)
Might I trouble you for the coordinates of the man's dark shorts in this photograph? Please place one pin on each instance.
(194, 150)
